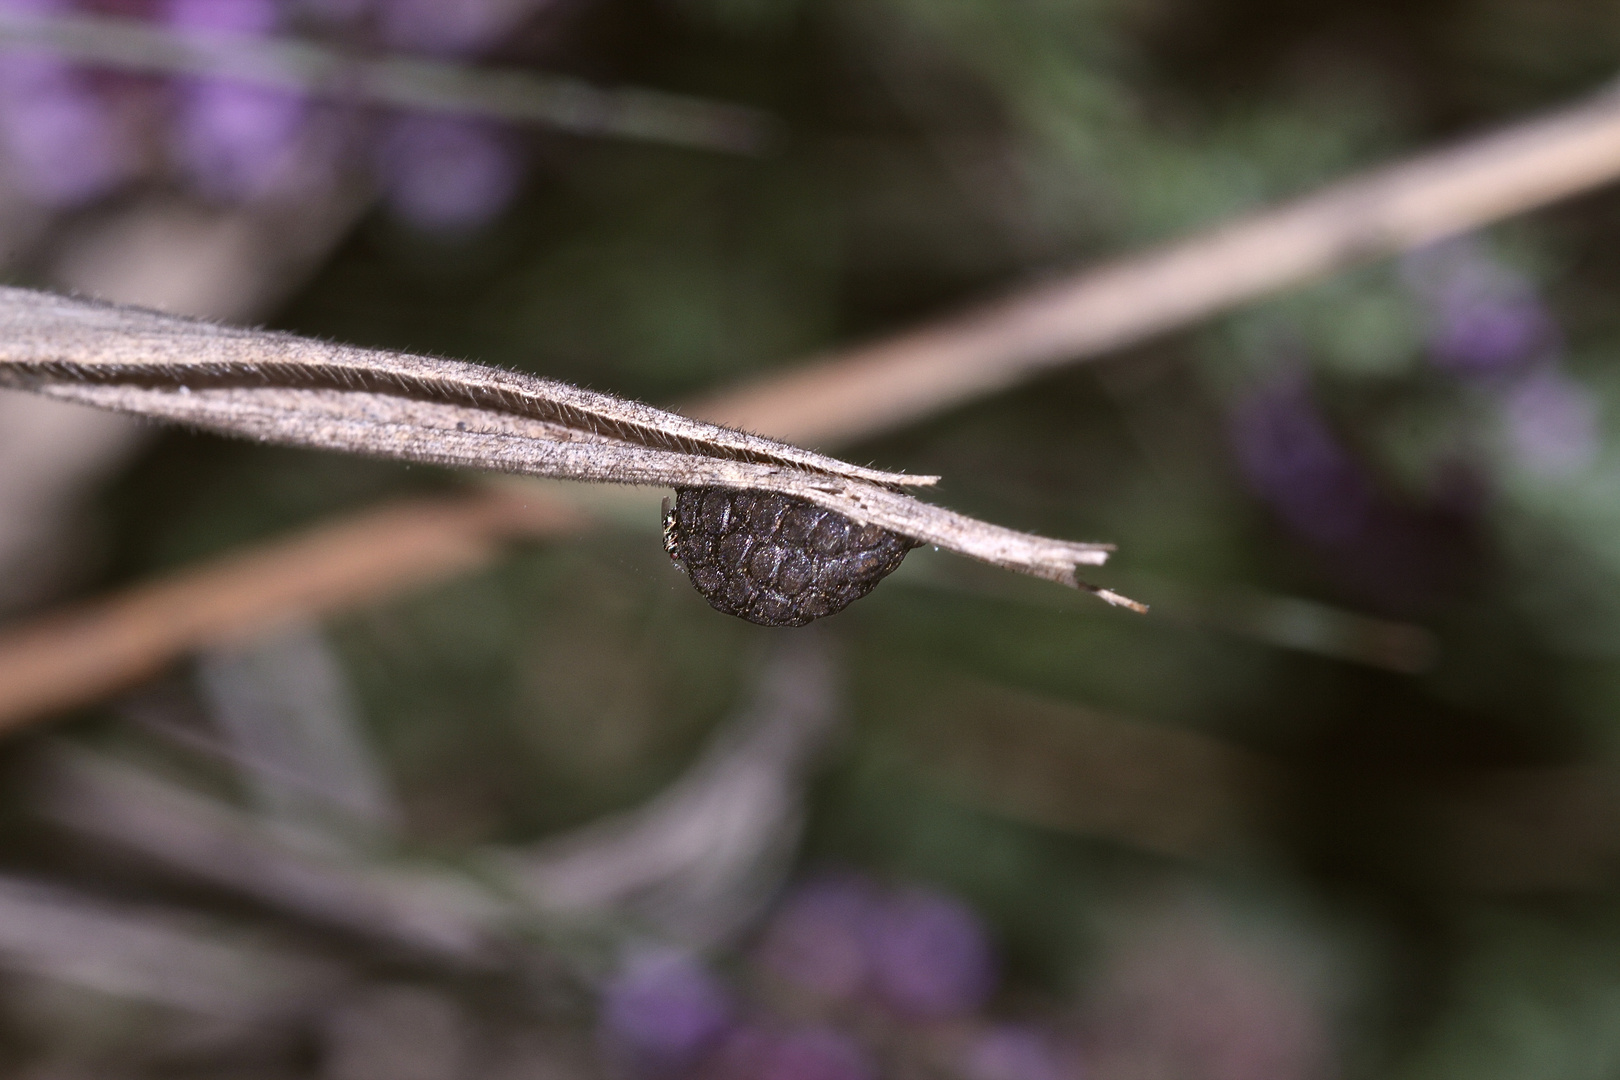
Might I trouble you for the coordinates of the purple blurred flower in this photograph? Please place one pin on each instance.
(452, 28)
(1486, 318)
(1009, 1052)
(445, 173)
(34, 7)
(817, 1053)
(250, 17)
(1486, 334)
(235, 141)
(1552, 422)
(339, 10)
(1293, 460)
(931, 957)
(664, 1010)
(1401, 557)
(818, 938)
(922, 952)
(62, 141)
(1189, 995)
(1489, 321)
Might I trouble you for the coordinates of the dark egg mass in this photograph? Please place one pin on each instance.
(776, 560)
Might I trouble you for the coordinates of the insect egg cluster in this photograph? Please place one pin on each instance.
(773, 559)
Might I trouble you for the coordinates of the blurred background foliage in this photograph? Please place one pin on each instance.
(1345, 804)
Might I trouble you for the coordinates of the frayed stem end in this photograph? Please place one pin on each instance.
(1112, 597)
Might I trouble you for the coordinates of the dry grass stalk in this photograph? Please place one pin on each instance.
(901, 379)
(79, 655)
(1051, 763)
(401, 81)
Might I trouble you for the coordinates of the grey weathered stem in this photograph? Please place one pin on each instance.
(411, 82)
(280, 388)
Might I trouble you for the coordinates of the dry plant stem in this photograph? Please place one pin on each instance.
(893, 382)
(409, 82)
(80, 655)
(431, 912)
(285, 389)
(162, 956)
(1057, 765)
